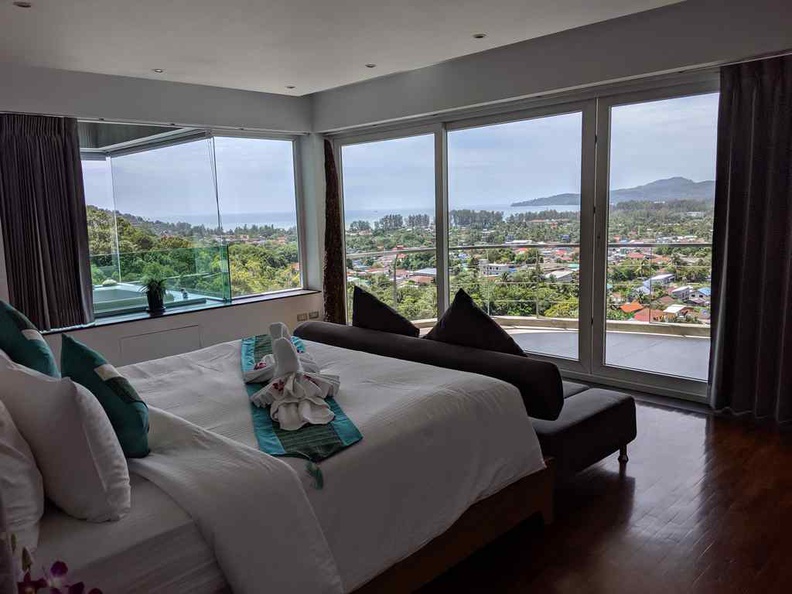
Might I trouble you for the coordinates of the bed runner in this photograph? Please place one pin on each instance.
(311, 442)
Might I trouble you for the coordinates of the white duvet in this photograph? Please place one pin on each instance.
(435, 441)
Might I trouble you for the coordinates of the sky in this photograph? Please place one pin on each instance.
(253, 175)
(493, 165)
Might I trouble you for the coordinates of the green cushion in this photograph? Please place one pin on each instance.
(21, 341)
(127, 412)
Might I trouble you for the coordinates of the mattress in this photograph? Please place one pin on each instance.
(155, 548)
(435, 441)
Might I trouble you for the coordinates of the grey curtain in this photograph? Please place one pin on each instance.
(334, 262)
(42, 210)
(751, 356)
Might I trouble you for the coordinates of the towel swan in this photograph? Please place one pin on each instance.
(296, 396)
(264, 370)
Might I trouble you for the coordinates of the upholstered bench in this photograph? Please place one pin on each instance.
(593, 424)
(576, 425)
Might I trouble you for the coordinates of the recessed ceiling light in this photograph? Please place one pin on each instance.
(23, 4)
(158, 70)
(371, 65)
(479, 35)
(289, 86)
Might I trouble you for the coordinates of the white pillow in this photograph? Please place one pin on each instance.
(77, 451)
(20, 484)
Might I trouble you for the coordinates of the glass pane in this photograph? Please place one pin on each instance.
(100, 215)
(258, 213)
(389, 206)
(662, 189)
(516, 187)
(153, 212)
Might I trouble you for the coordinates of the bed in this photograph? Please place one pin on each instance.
(448, 460)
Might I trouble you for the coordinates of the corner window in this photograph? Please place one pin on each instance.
(214, 217)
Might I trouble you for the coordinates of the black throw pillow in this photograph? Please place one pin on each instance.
(371, 313)
(465, 324)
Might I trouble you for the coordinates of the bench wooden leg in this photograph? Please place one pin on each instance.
(623, 458)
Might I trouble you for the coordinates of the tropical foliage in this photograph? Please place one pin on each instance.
(213, 262)
(525, 288)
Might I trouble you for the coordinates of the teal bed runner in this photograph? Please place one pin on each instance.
(311, 442)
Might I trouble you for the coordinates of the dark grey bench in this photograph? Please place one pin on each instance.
(576, 425)
(593, 424)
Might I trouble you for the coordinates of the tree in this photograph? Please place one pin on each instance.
(390, 222)
(358, 226)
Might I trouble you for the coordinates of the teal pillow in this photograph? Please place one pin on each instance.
(127, 412)
(21, 341)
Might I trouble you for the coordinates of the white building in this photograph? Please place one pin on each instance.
(682, 293)
(659, 280)
(561, 276)
(487, 268)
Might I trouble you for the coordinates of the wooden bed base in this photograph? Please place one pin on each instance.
(482, 523)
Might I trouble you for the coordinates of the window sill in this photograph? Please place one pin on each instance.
(140, 316)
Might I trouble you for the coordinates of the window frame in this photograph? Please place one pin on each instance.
(680, 387)
(441, 222)
(299, 201)
(595, 103)
(189, 134)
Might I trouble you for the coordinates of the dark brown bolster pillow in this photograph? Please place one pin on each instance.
(539, 382)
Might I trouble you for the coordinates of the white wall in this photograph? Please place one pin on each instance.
(311, 150)
(690, 34)
(125, 99)
(151, 338)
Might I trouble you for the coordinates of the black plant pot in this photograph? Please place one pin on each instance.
(156, 307)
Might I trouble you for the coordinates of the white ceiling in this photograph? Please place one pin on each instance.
(265, 45)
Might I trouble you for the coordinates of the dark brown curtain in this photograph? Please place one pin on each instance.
(334, 264)
(751, 356)
(42, 211)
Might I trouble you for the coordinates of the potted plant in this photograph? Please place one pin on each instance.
(154, 287)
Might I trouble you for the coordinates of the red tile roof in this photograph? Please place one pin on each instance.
(631, 307)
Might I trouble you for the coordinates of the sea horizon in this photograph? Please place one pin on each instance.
(285, 220)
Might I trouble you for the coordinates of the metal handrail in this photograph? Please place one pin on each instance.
(418, 250)
(651, 245)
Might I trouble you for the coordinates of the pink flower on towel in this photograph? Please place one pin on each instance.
(260, 365)
(27, 585)
(53, 582)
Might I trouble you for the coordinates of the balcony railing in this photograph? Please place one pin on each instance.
(537, 284)
(193, 276)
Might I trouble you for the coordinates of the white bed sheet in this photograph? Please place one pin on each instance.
(155, 548)
(435, 441)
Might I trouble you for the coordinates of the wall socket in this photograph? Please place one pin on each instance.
(302, 317)
(313, 315)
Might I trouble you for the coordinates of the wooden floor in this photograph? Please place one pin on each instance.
(705, 505)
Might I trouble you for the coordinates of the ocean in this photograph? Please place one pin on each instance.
(284, 220)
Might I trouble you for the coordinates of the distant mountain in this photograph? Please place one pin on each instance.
(661, 190)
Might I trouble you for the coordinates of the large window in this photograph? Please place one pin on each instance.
(661, 201)
(583, 227)
(214, 217)
(514, 226)
(389, 209)
(258, 215)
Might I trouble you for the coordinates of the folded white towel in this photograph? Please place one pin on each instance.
(295, 395)
(279, 330)
(264, 370)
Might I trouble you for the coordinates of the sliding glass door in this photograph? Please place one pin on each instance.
(583, 228)
(514, 206)
(657, 200)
